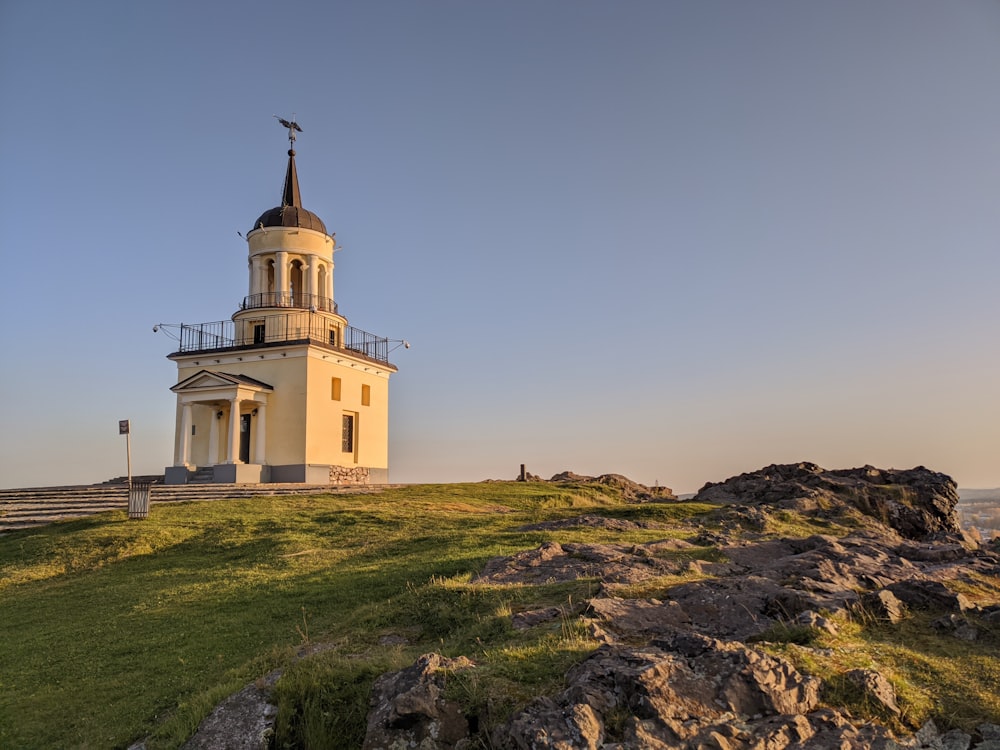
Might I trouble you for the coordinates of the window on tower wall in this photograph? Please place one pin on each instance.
(366, 395)
(258, 332)
(333, 336)
(348, 434)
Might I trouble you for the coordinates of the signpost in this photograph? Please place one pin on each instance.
(138, 493)
(124, 429)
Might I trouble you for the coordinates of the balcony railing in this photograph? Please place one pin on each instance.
(312, 302)
(274, 330)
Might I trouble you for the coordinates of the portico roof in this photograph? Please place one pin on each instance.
(209, 380)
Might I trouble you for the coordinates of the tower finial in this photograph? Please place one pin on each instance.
(292, 127)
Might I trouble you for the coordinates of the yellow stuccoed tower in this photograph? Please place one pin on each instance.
(285, 391)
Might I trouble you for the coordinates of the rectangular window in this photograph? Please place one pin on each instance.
(333, 337)
(258, 333)
(366, 395)
(348, 434)
(335, 389)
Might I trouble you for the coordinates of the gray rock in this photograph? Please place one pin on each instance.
(876, 688)
(884, 605)
(243, 721)
(955, 739)
(989, 731)
(408, 708)
(927, 734)
(956, 625)
(922, 594)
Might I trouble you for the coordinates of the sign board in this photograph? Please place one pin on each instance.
(123, 427)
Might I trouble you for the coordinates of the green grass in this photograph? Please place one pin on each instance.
(114, 630)
(936, 676)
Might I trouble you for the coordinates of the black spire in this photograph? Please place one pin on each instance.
(290, 213)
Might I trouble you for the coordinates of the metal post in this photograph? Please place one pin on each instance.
(125, 428)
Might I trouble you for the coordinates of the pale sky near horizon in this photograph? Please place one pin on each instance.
(671, 240)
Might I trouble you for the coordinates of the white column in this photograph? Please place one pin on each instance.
(313, 282)
(234, 432)
(260, 437)
(184, 439)
(255, 275)
(329, 282)
(213, 439)
(281, 274)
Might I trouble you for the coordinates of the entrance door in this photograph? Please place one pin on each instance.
(245, 438)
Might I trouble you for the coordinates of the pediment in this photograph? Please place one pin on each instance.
(206, 380)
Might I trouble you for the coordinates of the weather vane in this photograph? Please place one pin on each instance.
(292, 127)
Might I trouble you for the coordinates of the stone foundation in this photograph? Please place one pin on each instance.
(349, 475)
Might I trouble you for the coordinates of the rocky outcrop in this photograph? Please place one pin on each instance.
(680, 670)
(631, 492)
(917, 503)
(688, 691)
(757, 586)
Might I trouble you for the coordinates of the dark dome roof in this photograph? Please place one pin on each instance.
(290, 216)
(290, 213)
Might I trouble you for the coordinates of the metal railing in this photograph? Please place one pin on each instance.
(273, 330)
(313, 302)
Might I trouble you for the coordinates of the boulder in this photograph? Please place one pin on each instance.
(243, 721)
(883, 605)
(408, 708)
(875, 688)
(933, 595)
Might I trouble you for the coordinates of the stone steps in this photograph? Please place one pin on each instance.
(35, 506)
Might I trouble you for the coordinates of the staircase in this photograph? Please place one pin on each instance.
(36, 506)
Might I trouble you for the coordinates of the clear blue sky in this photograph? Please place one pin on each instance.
(674, 240)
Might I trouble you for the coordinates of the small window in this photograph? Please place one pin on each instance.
(348, 434)
(193, 428)
(333, 337)
(366, 395)
(335, 389)
(258, 333)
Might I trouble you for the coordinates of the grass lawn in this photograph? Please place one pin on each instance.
(112, 630)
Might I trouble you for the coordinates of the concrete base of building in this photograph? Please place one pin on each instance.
(241, 474)
(287, 474)
(176, 475)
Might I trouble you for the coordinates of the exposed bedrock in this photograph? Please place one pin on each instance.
(678, 619)
(916, 502)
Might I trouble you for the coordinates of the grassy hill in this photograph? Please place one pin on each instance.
(113, 630)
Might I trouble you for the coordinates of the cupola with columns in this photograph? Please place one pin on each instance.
(286, 390)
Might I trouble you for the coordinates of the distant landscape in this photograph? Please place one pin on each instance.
(980, 509)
